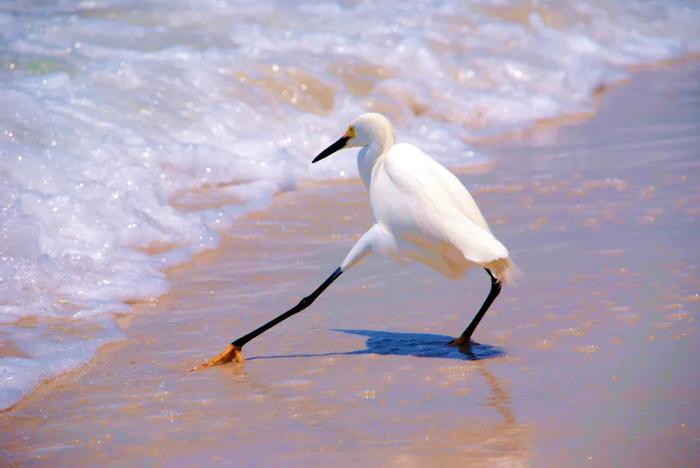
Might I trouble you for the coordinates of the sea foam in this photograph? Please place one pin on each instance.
(132, 134)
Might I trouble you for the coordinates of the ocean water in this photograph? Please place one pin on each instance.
(132, 134)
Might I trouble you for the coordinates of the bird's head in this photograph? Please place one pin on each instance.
(366, 129)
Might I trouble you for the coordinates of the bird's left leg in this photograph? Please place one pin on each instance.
(234, 351)
(465, 337)
(375, 235)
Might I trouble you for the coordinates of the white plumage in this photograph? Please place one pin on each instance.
(422, 211)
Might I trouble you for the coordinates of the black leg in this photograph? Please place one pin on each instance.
(303, 304)
(466, 336)
(233, 351)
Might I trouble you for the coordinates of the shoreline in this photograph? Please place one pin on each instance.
(114, 143)
(299, 265)
(535, 127)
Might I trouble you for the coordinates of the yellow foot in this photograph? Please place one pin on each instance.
(231, 353)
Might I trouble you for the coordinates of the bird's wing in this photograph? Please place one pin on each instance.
(430, 198)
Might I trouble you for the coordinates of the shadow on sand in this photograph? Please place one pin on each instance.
(423, 345)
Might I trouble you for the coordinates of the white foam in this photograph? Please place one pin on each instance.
(126, 125)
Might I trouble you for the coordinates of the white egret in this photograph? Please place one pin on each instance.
(422, 212)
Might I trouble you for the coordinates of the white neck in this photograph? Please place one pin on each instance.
(372, 154)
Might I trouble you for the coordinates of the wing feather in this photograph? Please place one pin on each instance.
(432, 200)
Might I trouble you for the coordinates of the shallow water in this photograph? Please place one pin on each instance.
(591, 359)
(133, 134)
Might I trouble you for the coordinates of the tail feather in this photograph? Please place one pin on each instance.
(505, 270)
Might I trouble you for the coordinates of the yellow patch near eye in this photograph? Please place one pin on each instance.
(350, 133)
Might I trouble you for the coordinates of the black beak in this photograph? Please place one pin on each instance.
(338, 145)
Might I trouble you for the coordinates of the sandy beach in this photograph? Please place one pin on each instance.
(590, 359)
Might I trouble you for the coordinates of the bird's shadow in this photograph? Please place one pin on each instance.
(424, 345)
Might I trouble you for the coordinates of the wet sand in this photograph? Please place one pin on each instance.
(592, 358)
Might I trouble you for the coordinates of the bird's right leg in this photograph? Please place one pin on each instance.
(234, 351)
(374, 236)
(466, 336)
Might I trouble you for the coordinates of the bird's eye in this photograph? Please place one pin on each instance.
(350, 133)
